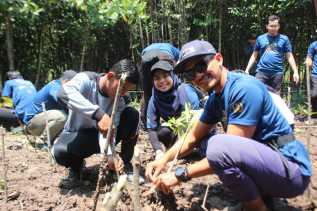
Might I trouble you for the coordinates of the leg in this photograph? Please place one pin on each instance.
(8, 119)
(56, 120)
(166, 136)
(314, 95)
(262, 77)
(128, 133)
(71, 148)
(276, 82)
(251, 169)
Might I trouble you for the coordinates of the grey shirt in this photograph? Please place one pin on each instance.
(86, 103)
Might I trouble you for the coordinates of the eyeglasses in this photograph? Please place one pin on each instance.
(199, 67)
(190, 74)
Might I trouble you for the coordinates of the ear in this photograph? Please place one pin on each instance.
(219, 57)
(110, 75)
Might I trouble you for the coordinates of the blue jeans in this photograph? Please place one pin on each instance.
(251, 169)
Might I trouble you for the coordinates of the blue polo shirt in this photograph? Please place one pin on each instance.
(246, 101)
(21, 91)
(164, 47)
(47, 95)
(272, 52)
(312, 53)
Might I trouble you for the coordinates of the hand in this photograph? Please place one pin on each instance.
(296, 77)
(247, 72)
(158, 154)
(153, 169)
(165, 182)
(115, 164)
(103, 124)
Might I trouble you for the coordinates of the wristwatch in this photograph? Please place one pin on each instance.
(182, 174)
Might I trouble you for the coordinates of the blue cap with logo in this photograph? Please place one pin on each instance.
(191, 50)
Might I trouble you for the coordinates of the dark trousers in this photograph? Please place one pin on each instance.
(8, 118)
(71, 148)
(314, 94)
(166, 136)
(272, 81)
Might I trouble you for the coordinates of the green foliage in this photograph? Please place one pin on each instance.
(181, 124)
(2, 184)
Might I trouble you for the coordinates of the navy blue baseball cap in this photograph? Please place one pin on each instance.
(191, 50)
(162, 65)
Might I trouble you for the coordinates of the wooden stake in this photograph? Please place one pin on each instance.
(205, 199)
(102, 166)
(308, 192)
(136, 177)
(48, 136)
(2, 131)
(112, 198)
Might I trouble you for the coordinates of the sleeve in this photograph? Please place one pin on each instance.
(311, 50)
(257, 46)
(213, 110)
(188, 94)
(7, 90)
(287, 46)
(71, 94)
(152, 119)
(245, 104)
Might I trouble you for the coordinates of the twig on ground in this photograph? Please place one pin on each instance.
(112, 198)
(2, 131)
(136, 177)
(205, 199)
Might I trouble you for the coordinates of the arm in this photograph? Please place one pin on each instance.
(152, 123)
(71, 95)
(292, 63)
(252, 60)
(7, 90)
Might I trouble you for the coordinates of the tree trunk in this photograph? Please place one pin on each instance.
(220, 27)
(141, 34)
(9, 41)
(39, 57)
(82, 58)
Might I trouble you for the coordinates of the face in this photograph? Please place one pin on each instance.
(111, 84)
(162, 80)
(272, 27)
(206, 76)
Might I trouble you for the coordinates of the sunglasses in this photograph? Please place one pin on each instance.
(200, 67)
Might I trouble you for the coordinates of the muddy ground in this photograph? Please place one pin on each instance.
(34, 184)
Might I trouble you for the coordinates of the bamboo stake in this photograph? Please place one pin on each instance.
(136, 177)
(103, 162)
(205, 198)
(111, 199)
(308, 192)
(2, 130)
(48, 135)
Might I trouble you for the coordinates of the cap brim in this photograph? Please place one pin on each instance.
(180, 67)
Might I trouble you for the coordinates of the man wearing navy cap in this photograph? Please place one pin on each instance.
(258, 151)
